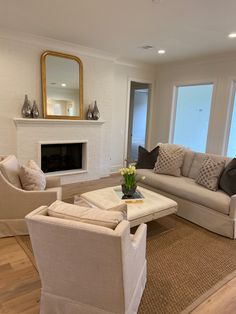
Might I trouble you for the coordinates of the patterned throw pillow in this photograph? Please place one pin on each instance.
(209, 173)
(32, 177)
(169, 160)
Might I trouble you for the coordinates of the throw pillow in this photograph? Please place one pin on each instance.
(198, 160)
(32, 177)
(146, 159)
(169, 160)
(32, 165)
(107, 218)
(228, 178)
(209, 173)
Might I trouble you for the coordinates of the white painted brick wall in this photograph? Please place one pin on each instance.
(31, 132)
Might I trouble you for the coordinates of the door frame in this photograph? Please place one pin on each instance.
(149, 113)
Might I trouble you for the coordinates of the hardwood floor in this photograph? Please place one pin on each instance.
(221, 302)
(19, 280)
(70, 190)
(20, 283)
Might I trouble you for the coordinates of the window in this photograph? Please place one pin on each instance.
(231, 152)
(192, 113)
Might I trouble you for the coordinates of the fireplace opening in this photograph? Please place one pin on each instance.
(61, 157)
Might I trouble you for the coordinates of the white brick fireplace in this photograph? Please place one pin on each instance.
(31, 133)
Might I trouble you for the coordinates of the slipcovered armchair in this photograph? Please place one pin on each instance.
(85, 268)
(16, 203)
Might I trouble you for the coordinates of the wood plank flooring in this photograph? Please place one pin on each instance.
(221, 302)
(20, 283)
(19, 280)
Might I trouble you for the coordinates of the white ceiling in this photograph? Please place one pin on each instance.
(184, 28)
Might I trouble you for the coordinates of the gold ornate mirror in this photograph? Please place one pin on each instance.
(62, 86)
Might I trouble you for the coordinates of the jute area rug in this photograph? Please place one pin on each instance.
(184, 262)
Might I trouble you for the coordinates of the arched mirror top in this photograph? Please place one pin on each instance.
(62, 86)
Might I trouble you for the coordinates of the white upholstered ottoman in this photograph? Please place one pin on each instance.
(151, 207)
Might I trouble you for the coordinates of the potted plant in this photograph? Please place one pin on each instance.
(129, 184)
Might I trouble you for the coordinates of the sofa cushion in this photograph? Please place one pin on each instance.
(198, 160)
(170, 159)
(188, 189)
(107, 218)
(187, 163)
(10, 168)
(146, 159)
(32, 177)
(209, 173)
(228, 178)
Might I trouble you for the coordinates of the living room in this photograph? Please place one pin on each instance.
(170, 46)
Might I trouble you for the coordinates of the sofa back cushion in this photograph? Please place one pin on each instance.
(107, 218)
(10, 168)
(187, 163)
(198, 160)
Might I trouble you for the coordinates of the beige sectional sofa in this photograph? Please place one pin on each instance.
(215, 211)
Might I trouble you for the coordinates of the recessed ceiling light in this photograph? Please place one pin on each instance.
(63, 84)
(232, 35)
(161, 51)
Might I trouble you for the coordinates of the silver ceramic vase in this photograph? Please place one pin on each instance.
(89, 114)
(35, 110)
(26, 108)
(96, 113)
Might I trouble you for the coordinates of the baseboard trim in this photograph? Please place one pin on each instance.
(115, 168)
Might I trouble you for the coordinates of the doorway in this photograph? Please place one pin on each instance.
(138, 112)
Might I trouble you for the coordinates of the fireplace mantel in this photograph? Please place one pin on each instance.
(22, 121)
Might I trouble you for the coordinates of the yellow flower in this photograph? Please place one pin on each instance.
(130, 170)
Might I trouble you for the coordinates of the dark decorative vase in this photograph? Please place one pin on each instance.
(26, 109)
(128, 193)
(96, 113)
(35, 110)
(89, 114)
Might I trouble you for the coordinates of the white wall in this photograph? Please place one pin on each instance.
(221, 71)
(104, 81)
(123, 76)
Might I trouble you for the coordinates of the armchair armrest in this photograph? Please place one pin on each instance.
(232, 207)
(52, 182)
(139, 236)
(15, 203)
